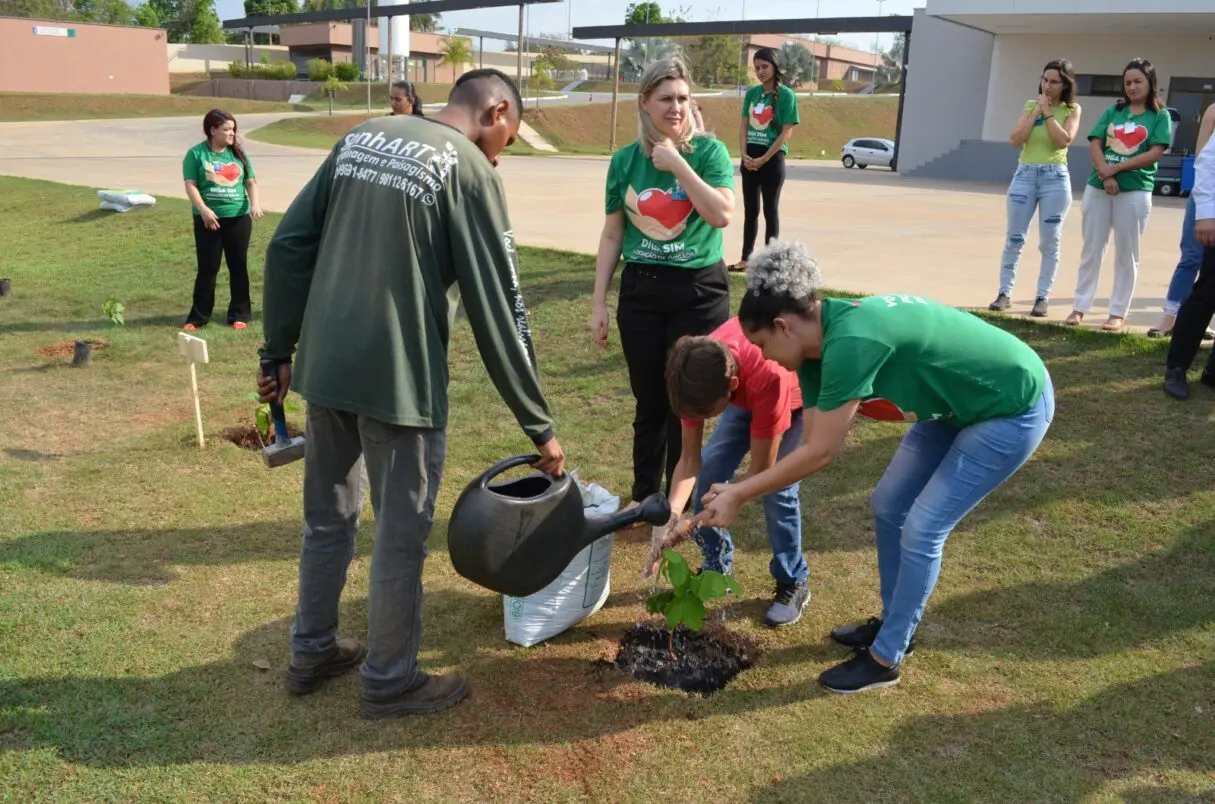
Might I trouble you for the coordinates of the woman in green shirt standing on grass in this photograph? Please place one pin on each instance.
(221, 186)
(769, 113)
(669, 195)
(1042, 181)
(1126, 144)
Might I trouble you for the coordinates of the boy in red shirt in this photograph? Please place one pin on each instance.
(760, 405)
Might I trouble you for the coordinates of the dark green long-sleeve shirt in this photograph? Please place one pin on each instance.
(405, 218)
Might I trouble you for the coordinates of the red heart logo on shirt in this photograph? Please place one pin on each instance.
(1131, 135)
(230, 171)
(763, 116)
(659, 205)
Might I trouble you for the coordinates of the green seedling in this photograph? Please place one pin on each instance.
(263, 419)
(684, 603)
(113, 311)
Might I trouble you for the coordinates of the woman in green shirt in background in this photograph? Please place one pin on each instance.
(1126, 144)
(1042, 181)
(222, 188)
(669, 195)
(769, 113)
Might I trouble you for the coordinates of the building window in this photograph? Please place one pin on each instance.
(1099, 86)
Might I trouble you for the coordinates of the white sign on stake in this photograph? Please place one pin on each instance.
(194, 350)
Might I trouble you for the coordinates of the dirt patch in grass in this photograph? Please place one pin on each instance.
(248, 437)
(705, 662)
(67, 348)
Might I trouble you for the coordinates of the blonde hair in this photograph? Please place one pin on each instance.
(647, 133)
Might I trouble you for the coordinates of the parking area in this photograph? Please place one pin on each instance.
(872, 230)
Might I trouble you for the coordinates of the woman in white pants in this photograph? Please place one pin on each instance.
(1126, 143)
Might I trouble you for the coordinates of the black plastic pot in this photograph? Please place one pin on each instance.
(83, 353)
(6, 287)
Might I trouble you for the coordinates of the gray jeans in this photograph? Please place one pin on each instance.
(404, 466)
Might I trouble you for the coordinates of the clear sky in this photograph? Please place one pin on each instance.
(554, 18)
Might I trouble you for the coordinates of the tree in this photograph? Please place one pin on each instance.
(456, 50)
(644, 13)
(105, 12)
(268, 8)
(145, 15)
(424, 23)
(797, 63)
(713, 59)
(201, 23)
(641, 52)
(891, 69)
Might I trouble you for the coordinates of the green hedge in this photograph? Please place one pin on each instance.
(271, 71)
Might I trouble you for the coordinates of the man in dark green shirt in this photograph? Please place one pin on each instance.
(363, 275)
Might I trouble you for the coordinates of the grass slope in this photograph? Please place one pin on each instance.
(827, 123)
(18, 106)
(1068, 654)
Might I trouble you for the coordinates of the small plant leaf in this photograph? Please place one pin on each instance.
(712, 585)
(657, 604)
(677, 568)
(686, 610)
(733, 584)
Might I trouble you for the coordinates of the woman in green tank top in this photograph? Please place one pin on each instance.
(1043, 133)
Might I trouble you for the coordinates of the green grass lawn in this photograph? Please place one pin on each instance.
(15, 106)
(1068, 654)
(322, 131)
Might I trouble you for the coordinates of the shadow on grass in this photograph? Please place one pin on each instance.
(228, 712)
(1035, 752)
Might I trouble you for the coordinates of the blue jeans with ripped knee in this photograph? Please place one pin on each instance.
(1048, 189)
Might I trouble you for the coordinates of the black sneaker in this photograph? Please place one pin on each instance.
(346, 656)
(1175, 384)
(860, 637)
(1039, 310)
(861, 672)
(787, 605)
(1000, 304)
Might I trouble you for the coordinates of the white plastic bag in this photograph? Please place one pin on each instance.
(124, 200)
(578, 592)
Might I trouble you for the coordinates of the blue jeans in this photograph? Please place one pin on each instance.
(1047, 188)
(1187, 269)
(720, 459)
(937, 476)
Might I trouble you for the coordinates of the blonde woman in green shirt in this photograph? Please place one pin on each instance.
(1043, 133)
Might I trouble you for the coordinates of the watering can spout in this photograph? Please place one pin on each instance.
(654, 510)
(516, 537)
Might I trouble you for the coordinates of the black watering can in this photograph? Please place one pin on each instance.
(516, 537)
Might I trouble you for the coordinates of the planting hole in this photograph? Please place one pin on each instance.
(67, 348)
(248, 438)
(705, 661)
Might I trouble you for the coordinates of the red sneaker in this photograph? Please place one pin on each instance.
(239, 325)
(190, 328)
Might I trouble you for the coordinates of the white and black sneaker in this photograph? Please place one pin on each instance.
(1001, 303)
(787, 606)
(860, 673)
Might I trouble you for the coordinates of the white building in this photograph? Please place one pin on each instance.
(974, 63)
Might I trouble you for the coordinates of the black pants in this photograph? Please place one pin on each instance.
(764, 183)
(231, 240)
(1194, 318)
(658, 305)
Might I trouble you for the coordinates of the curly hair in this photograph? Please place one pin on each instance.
(782, 278)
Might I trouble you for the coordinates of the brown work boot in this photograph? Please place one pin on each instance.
(437, 694)
(346, 656)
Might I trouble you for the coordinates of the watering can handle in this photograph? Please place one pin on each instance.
(509, 463)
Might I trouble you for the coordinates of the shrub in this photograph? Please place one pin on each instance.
(268, 71)
(346, 71)
(318, 69)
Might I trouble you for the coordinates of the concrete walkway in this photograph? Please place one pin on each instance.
(872, 230)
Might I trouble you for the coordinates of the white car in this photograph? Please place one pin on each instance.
(865, 151)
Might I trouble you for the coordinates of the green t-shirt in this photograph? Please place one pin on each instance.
(1128, 135)
(768, 113)
(661, 226)
(221, 179)
(405, 219)
(910, 359)
(1040, 149)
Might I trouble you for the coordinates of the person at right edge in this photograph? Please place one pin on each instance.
(769, 113)
(360, 275)
(1195, 314)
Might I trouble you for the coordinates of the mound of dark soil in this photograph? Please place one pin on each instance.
(248, 438)
(704, 663)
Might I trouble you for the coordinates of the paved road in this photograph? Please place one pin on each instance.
(872, 230)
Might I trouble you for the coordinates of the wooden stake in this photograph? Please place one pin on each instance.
(197, 406)
(615, 98)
